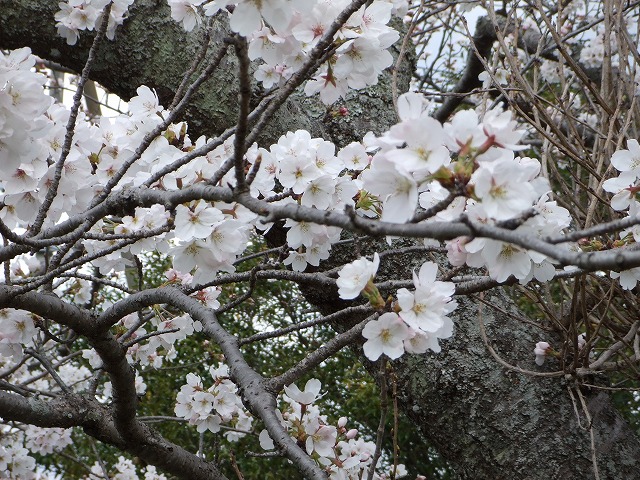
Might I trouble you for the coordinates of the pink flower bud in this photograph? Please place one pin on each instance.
(541, 352)
(352, 433)
(342, 421)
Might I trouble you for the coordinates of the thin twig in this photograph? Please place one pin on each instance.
(384, 407)
(244, 80)
(494, 354)
(52, 191)
(594, 452)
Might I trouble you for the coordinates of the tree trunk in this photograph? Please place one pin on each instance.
(487, 421)
(490, 422)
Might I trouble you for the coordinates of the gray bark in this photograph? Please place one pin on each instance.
(487, 421)
(490, 422)
(149, 49)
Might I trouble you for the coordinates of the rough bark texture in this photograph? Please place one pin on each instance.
(149, 49)
(488, 422)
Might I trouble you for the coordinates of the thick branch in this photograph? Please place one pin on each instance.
(252, 385)
(78, 411)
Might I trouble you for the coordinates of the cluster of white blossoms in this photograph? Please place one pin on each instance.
(33, 130)
(211, 408)
(625, 188)
(22, 105)
(15, 461)
(409, 170)
(316, 177)
(75, 16)
(155, 342)
(160, 343)
(486, 182)
(335, 448)
(46, 440)
(283, 33)
(17, 447)
(390, 177)
(16, 329)
(124, 469)
(496, 186)
(393, 177)
(210, 241)
(418, 319)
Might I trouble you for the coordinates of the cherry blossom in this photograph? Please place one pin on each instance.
(353, 277)
(320, 439)
(426, 308)
(310, 394)
(354, 156)
(503, 188)
(423, 153)
(145, 104)
(209, 408)
(503, 259)
(186, 11)
(500, 129)
(541, 350)
(16, 326)
(385, 336)
(77, 15)
(624, 188)
(319, 192)
(196, 223)
(46, 440)
(311, 27)
(627, 278)
(396, 188)
(470, 157)
(501, 77)
(283, 32)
